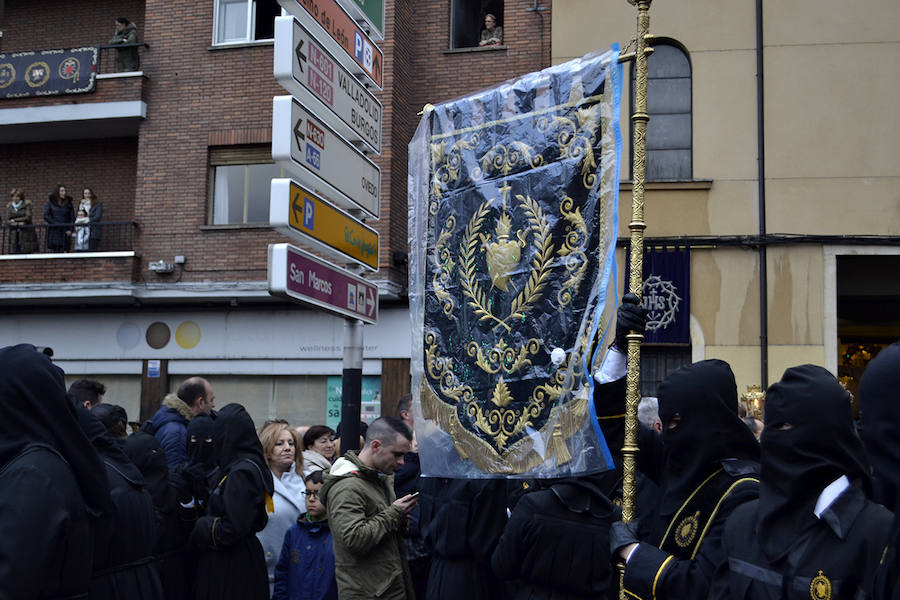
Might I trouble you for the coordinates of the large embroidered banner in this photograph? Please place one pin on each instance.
(513, 196)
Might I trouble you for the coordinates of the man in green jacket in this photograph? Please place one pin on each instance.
(367, 521)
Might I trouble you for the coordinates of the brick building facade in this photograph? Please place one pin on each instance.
(165, 149)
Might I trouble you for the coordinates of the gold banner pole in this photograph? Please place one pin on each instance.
(636, 226)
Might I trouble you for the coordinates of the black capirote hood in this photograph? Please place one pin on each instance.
(808, 442)
(34, 408)
(199, 451)
(704, 396)
(879, 398)
(235, 439)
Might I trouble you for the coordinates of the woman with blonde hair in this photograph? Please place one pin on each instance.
(279, 442)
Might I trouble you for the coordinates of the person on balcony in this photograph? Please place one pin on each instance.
(127, 59)
(82, 231)
(94, 209)
(59, 216)
(22, 237)
(492, 34)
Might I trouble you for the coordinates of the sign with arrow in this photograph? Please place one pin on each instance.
(322, 159)
(358, 51)
(303, 216)
(308, 71)
(300, 276)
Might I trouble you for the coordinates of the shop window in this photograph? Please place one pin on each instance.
(669, 137)
(245, 20)
(467, 21)
(657, 362)
(240, 181)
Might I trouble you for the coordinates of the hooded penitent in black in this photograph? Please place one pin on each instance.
(123, 544)
(709, 468)
(50, 480)
(199, 473)
(879, 396)
(231, 563)
(172, 562)
(777, 547)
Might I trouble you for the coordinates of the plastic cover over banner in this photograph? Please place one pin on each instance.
(513, 196)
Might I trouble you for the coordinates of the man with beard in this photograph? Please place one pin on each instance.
(705, 464)
(880, 402)
(51, 482)
(813, 532)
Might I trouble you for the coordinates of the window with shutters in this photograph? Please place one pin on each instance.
(669, 134)
(240, 179)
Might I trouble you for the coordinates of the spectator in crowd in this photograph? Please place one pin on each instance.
(648, 413)
(94, 209)
(813, 532)
(123, 544)
(305, 569)
(279, 444)
(82, 231)
(51, 480)
(366, 520)
(301, 431)
(127, 59)
(492, 34)
(114, 418)
(169, 424)
(171, 561)
(87, 392)
(319, 454)
(231, 564)
(59, 216)
(19, 215)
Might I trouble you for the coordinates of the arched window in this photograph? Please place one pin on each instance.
(669, 138)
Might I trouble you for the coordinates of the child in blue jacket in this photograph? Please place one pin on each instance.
(305, 569)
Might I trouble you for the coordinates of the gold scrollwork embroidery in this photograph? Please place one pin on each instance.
(446, 264)
(687, 530)
(447, 163)
(572, 251)
(503, 158)
(575, 139)
(503, 356)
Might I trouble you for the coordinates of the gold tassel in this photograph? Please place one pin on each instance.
(557, 446)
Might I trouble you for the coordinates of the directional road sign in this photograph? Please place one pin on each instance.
(298, 275)
(370, 11)
(310, 72)
(303, 216)
(358, 51)
(321, 158)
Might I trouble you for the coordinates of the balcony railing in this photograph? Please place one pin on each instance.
(105, 236)
(107, 61)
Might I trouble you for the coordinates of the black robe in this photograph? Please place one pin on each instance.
(171, 559)
(881, 434)
(776, 547)
(556, 541)
(230, 559)
(461, 521)
(705, 468)
(123, 544)
(52, 484)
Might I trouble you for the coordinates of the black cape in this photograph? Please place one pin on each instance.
(231, 564)
(461, 521)
(123, 544)
(51, 482)
(776, 546)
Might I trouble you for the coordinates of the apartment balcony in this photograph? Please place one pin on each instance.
(114, 107)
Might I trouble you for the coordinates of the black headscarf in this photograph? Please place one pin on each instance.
(108, 447)
(34, 409)
(879, 396)
(200, 451)
(704, 395)
(110, 415)
(145, 452)
(235, 439)
(799, 462)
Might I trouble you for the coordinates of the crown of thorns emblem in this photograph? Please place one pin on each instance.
(661, 300)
